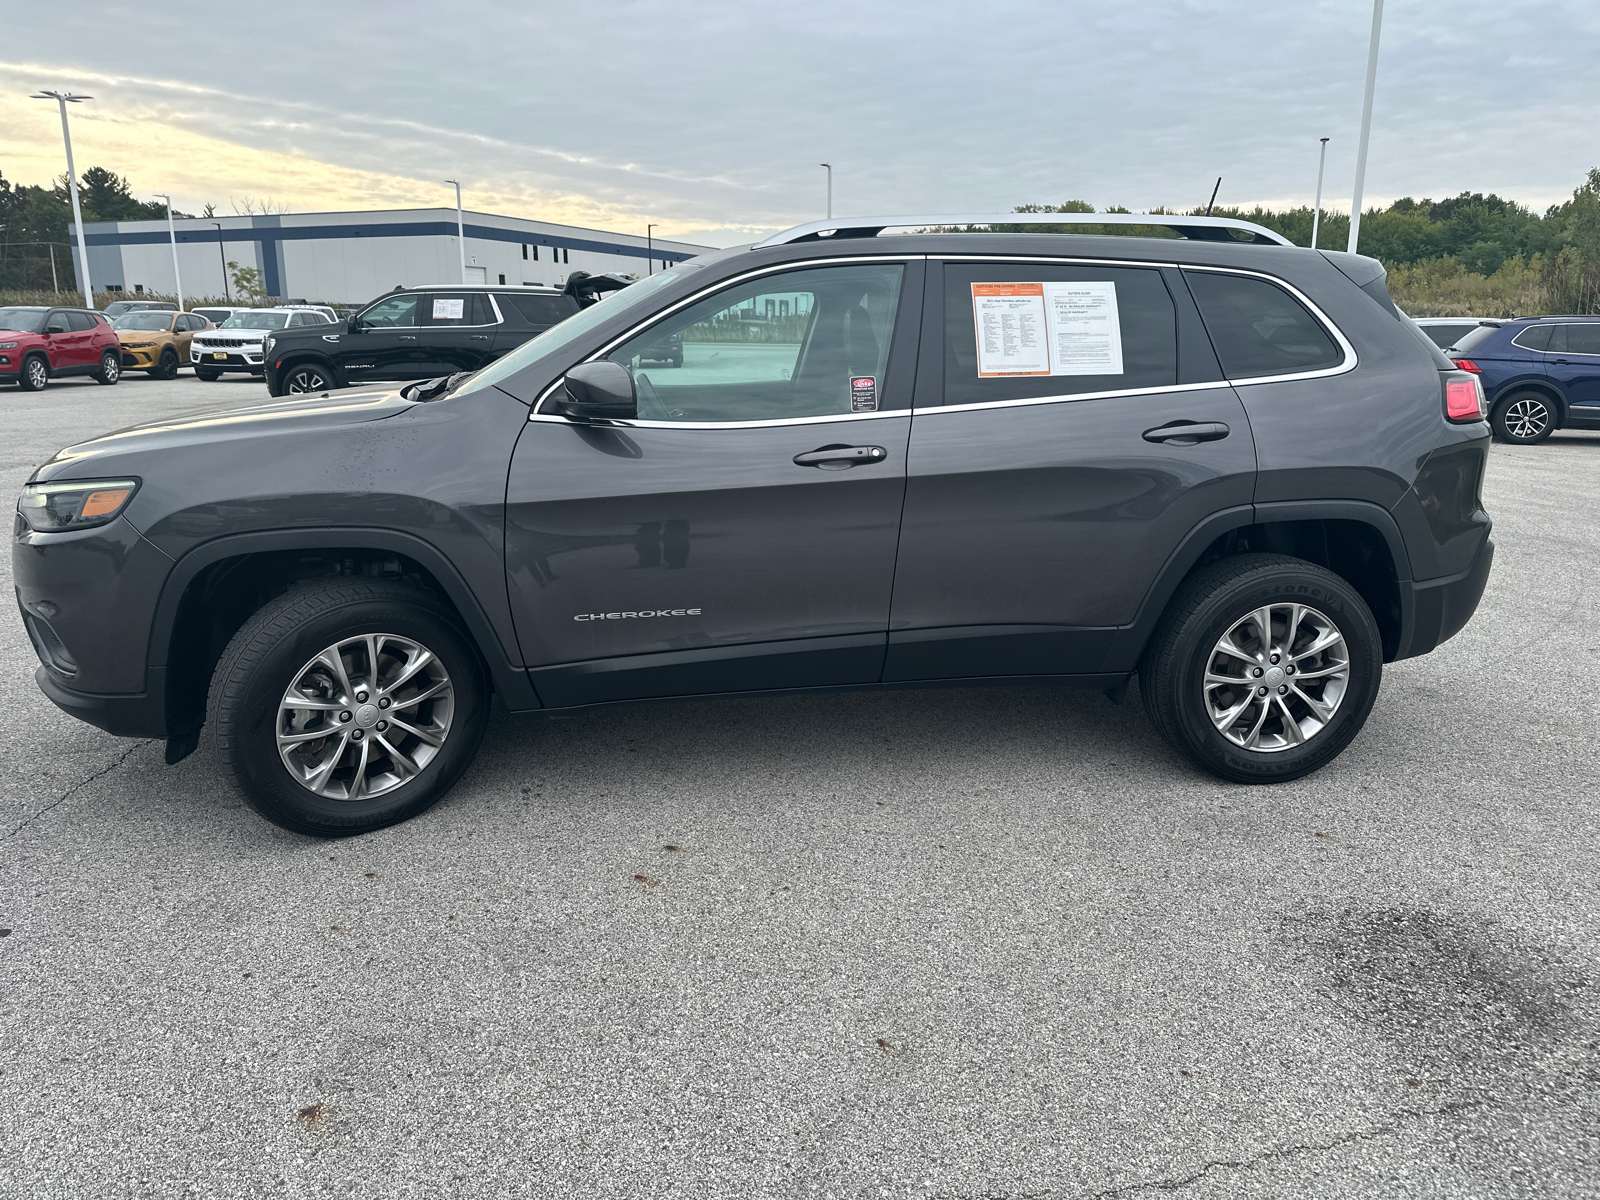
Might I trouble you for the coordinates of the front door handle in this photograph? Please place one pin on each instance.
(408, 337)
(1187, 433)
(840, 458)
(480, 337)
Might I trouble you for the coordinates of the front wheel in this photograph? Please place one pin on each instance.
(1523, 418)
(207, 374)
(307, 378)
(110, 368)
(35, 373)
(347, 705)
(1263, 669)
(167, 367)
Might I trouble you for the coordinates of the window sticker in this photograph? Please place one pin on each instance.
(864, 393)
(1047, 329)
(448, 310)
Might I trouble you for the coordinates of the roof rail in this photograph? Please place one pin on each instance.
(1205, 229)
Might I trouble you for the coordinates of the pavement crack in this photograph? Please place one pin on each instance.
(80, 785)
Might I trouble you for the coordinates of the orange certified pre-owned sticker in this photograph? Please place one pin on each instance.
(1009, 325)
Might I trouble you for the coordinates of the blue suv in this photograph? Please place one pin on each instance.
(1539, 374)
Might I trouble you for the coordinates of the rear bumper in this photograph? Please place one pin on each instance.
(1440, 608)
(141, 714)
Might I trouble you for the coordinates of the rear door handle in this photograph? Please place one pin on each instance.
(480, 337)
(408, 337)
(1187, 433)
(840, 458)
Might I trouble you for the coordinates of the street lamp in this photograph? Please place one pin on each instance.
(650, 248)
(223, 258)
(64, 99)
(1316, 212)
(1366, 125)
(461, 235)
(172, 234)
(830, 186)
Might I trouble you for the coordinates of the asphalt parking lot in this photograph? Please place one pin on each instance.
(995, 943)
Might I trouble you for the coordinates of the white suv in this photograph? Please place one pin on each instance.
(237, 343)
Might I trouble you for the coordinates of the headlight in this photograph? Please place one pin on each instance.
(78, 504)
(137, 345)
(266, 343)
(8, 345)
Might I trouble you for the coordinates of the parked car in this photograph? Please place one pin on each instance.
(1539, 374)
(1444, 332)
(237, 344)
(414, 333)
(118, 308)
(1129, 455)
(327, 310)
(218, 313)
(38, 344)
(157, 342)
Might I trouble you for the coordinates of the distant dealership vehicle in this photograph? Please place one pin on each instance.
(415, 333)
(119, 308)
(157, 342)
(1443, 332)
(1540, 374)
(218, 313)
(38, 344)
(237, 344)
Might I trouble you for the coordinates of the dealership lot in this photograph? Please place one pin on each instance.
(931, 943)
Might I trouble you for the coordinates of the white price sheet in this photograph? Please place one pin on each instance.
(448, 310)
(1047, 329)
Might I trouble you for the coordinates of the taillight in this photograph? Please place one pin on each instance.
(1463, 398)
(1466, 364)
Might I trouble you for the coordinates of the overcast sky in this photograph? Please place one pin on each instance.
(710, 119)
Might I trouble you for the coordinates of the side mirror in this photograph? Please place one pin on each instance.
(55, 327)
(353, 325)
(599, 391)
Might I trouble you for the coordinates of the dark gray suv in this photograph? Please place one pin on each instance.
(1210, 458)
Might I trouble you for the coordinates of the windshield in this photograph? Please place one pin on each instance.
(256, 320)
(558, 337)
(23, 320)
(143, 320)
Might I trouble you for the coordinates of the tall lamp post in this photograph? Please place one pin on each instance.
(172, 234)
(829, 166)
(461, 232)
(223, 258)
(1316, 212)
(650, 247)
(64, 99)
(1366, 125)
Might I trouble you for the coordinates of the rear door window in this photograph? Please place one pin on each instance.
(1583, 339)
(1020, 331)
(1258, 329)
(80, 322)
(444, 310)
(543, 310)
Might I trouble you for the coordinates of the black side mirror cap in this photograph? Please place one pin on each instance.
(353, 325)
(56, 329)
(598, 391)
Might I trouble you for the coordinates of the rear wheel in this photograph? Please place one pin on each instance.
(1263, 669)
(110, 368)
(1523, 418)
(167, 367)
(35, 373)
(344, 706)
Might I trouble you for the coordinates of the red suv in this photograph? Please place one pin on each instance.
(37, 343)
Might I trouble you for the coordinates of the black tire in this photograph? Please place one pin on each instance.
(268, 655)
(167, 366)
(306, 378)
(207, 374)
(110, 368)
(1524, 418)
(35, 373)
(1209, 605)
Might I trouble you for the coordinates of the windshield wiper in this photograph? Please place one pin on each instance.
(434, 389)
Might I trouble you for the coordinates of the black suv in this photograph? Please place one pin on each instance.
(1227, 464)
(413, 333)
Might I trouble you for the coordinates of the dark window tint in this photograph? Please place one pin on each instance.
(1148, 330)
(542, 310)
(1476, 336)
(80, 322)
(1258, 329)
(1583, 339)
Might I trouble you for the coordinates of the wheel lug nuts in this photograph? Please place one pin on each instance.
(1274, 658)
(1256, 672)
(1284, 690)
(358, 735)
(1288, 670)
(1262, 692)
(384, 703)
(361, 697)
(382, 725)
(344, 716)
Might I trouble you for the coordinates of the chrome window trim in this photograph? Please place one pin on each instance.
(1552, 325)
(1529, 329)
(656, 318)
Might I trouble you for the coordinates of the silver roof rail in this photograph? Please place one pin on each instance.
(1206, 229)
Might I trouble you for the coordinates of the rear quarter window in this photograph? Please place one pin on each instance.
(1258, 329)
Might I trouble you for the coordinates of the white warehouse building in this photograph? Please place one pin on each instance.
(352, 257)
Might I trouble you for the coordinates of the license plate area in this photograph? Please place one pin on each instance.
(219, 354)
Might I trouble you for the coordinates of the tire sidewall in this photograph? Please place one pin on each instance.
(1338, 603)
(253, 728)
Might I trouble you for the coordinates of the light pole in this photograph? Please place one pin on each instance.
(650, 247)
(64, 99)
(223, 259)
(172, 234)
(1316, 212)
(830, 186)
(461, 233)
(1366, 125)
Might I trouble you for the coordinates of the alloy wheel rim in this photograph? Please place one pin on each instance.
(306, 381)
(1276, 678)
(1526, 419)
(364, 716)
(110, 367)
(37, 374)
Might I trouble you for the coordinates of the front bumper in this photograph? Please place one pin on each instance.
(142, 359)
(141, 714)
(244, 358)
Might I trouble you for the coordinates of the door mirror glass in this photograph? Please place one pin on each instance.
(56, 326)
(599, 391)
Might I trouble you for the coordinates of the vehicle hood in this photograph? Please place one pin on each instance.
(142, 335)
(256, 429)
